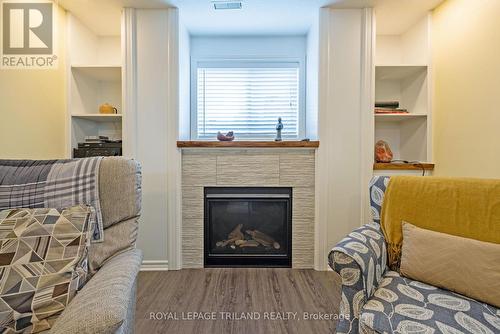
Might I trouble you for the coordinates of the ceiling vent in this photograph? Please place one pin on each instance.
(221, 5)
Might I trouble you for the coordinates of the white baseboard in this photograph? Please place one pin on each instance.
(154, 265)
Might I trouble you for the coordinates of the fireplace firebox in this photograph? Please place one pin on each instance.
(248, 226)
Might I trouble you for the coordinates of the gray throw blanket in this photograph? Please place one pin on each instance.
(52, 184)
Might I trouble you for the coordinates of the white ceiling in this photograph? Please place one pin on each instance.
(258, 17)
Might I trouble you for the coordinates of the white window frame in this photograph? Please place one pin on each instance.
(238, 62)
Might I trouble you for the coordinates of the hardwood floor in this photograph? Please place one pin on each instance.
(166, 301)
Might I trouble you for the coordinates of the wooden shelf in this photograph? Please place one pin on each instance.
(397, 117)
(402, 166)
(99, 117)
(248, 144)
(100, 72)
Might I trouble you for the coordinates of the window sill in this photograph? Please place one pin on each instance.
(248, 144)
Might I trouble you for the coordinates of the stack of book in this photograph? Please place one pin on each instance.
(389, 107)
(100, 139)
(96, 139)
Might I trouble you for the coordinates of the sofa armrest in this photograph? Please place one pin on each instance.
(361, 260)
(102, 305)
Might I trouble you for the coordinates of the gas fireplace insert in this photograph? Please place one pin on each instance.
(248, 226)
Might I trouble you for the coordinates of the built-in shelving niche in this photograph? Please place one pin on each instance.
(402, 73)
(94, 78)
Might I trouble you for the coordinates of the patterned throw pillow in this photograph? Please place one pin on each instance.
(43, 262)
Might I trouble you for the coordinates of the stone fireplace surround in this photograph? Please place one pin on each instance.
(226, 167)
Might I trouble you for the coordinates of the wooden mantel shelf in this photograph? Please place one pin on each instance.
(248, 144)
(402, 166)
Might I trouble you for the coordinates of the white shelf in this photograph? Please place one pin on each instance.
(94, 77)
(398, 72)
(397, 117)
(99, 117)
(100, 72)
(402, 74)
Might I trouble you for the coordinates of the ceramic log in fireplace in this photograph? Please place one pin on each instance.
(248, 226)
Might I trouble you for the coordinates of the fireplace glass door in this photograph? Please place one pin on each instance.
(248, 226)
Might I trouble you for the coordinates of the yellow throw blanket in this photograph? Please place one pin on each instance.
(464, 207)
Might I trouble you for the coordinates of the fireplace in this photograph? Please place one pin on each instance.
(248, 226)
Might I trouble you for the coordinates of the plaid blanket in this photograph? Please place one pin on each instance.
(52, 184)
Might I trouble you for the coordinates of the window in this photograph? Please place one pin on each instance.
(247, 97)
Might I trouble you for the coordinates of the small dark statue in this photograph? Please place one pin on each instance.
(279, 127)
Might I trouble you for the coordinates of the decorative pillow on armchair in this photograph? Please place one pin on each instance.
(43, 262)
(466, 266)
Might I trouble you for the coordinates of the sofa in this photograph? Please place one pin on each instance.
(375, 299)
(106, 303)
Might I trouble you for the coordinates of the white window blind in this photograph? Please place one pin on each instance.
(247, 98)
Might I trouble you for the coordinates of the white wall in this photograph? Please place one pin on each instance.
(410, 48)
(346, 82)
(251, 46)
(312, 77)
(85, 47)
(281, 47)
(152, 125)
(184, 82)
(152, 83)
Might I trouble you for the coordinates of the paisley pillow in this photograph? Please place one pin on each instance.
(43, 262)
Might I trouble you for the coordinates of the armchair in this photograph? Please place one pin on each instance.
(377, 300)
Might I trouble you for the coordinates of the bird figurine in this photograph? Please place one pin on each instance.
(225, 137)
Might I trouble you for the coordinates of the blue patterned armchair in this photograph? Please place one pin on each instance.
(377, 300)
